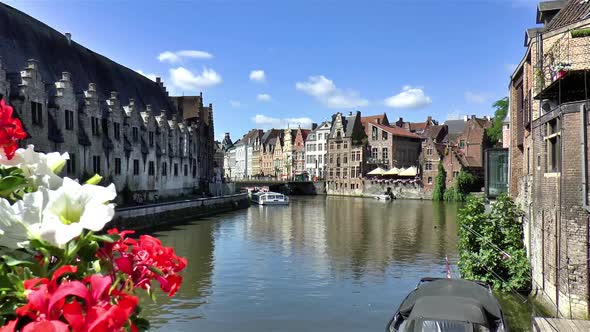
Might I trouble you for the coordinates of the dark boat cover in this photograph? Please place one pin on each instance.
(451, 299)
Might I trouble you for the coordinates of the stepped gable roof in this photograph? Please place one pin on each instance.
(574, 11)
(396, 131)
(23, 37)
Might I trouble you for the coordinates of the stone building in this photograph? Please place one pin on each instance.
(271, 140)
(347, 150)
(110, 119)
(316, 149)
(549, 153)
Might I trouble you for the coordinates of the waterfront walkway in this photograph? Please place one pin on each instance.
(542, 324)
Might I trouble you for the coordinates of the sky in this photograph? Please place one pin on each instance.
(266, 64)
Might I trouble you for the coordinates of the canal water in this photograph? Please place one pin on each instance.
(319, 264)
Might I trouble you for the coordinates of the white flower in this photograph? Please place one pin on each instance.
(21, 221)
(39, 168)
(74, 207)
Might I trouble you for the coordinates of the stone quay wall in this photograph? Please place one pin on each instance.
(170, 213)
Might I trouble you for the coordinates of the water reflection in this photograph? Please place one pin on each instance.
(330, 264)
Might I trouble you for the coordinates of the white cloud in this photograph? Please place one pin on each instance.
(455, 115)
(409, 98)
(257, 76)
(178, 56)
(186, 80)
(264, 97)
(267, 122)
(475, 98)
(148, 75)
(235, 103)
(326, 92)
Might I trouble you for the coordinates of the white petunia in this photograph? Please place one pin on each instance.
(74, 207)
(21, 221)
(39, 168)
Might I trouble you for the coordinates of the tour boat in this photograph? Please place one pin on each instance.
(442, 304)
(269, 198)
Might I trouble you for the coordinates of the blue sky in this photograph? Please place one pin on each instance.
(272, 63)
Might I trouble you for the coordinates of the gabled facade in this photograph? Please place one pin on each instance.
(316, 149)
(391, 146)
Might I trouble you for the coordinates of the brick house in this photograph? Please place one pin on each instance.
(391, 146)
(299, 151)
(549, 154)
(416, 127)
(346, 155)
(431, 154)
(269, 143)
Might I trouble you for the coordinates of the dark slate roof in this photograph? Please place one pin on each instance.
(23, 37)
(455, 126)
(433, 132)
(573, 12)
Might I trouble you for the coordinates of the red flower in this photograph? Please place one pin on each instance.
(144, 260)
(11, 130)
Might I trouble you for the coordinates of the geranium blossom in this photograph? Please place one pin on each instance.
(11, 130)
(40, 169)
(74, 207)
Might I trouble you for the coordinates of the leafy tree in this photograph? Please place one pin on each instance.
(464, 183)
(490, 245)
(439, 183)
(494, 133)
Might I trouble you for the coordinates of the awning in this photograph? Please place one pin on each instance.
(411, 171)
(377, 171)
(392, 171)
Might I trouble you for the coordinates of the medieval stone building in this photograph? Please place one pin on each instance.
(110, 119)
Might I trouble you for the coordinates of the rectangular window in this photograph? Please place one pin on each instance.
(374, 153)
(185, 170)
(151, 168)
(135, 167)
(117, 166)
(117, 130)
(151, 138)
(430, 180)
(95, 125)
(346, 145)
(37, 113)
(345, 158)
(175, 169)
(320, 159)
(319, 137)
(462, 144)
(553, 145)
(135, 133)
(96, 164)
(374, 134)
(385, 153)
(455, 174)
(384, 135)
(429, 151)
(194, 170)
(337, 146)
(164, 168)
(428, 166)
(71, 164)
(69, 119)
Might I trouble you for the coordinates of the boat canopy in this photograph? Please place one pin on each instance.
(452, 299)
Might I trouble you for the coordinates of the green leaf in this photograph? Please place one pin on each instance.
(156, 270)
(10, 183)
(10, 261)
(109, 238)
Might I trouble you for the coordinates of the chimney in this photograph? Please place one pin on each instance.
(465, 118)
(92, 87)
(472, 116)
(227, 136)
(148, 108)
(158, 80)
(114, 94)
(33, 64)
(68, 37)
(350, 113)
(429, 119)
(66, 76)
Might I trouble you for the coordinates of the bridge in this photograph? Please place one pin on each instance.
(285, 187)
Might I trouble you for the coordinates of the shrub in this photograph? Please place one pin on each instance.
(490, 245)
(439, 183)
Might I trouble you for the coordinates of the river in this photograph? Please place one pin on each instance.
(319, 264)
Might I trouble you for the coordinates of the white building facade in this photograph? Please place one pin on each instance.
(316, 148)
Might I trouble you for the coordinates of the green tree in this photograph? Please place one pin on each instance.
(491, 245)
(463, 184)
(439, 183)
(494, 133)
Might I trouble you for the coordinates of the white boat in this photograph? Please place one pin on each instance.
(269, 198)
(382, 197)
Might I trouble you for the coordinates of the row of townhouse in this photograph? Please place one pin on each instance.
(110, 119)
(549, 106)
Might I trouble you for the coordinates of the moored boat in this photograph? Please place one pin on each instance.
(441, 305)
(269, 198)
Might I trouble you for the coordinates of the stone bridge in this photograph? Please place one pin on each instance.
(285, 187)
